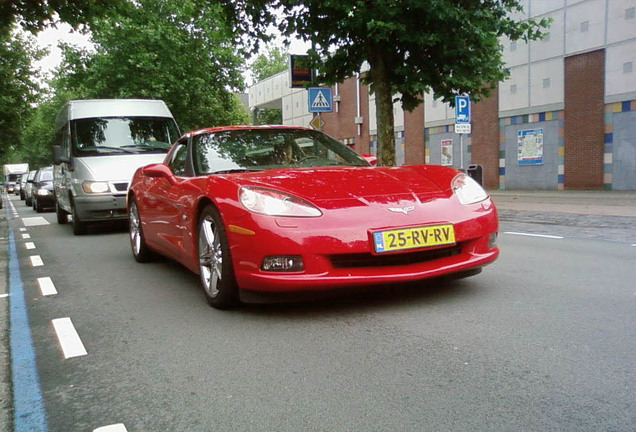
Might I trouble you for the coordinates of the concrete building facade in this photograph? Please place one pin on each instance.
(565, 118)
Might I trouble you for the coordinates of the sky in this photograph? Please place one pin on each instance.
(50, 37)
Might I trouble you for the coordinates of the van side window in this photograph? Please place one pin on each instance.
(178, 162)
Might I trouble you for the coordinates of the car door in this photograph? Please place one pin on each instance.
(161, 208)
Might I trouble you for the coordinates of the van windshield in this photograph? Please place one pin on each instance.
(121, 135)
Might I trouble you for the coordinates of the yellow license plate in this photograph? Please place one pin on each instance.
(414, 237)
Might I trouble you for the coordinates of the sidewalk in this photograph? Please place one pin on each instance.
(600, 203)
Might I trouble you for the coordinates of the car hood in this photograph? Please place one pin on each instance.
(114, 168)
(46, 184)
(380, 185)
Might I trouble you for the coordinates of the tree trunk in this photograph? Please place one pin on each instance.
(384, 108)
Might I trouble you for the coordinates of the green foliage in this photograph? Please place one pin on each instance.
(34, 15)
(18, 90)
(38, 133)
(446, 47)
(270, 63)
(181, 52)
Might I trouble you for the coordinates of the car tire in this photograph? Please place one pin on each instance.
(140, 249)
(215, 263)
(62, 216)
(79, 226)
(28, 202)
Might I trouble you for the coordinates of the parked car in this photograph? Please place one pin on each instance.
(42, 193)
(257, 210)
(28, 187)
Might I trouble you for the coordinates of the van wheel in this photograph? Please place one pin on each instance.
(62, 216)
(79, 227)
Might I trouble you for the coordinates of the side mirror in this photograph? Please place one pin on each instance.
(58, 156)
(159, 170)
(371, 159)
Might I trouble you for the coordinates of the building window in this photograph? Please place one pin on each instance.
(546, 82)
(630, 13)
(513, 89)
(585, 26)
(628, 67)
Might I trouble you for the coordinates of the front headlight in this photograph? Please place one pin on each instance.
(95, 187)
(468, 191)
(274, 203)
(43, 192)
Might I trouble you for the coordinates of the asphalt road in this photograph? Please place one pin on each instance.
(543, 339)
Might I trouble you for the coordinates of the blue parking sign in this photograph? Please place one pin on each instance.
(462, 109)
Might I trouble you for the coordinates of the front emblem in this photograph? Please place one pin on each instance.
(404, 210)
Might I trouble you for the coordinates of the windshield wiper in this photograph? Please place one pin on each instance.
(119, 149)
(147, 148)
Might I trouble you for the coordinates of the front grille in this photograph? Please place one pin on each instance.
(369, 260)
(121, 187)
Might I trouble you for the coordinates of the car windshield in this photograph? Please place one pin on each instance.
(121, 135)
(256, 149)
(46, 175)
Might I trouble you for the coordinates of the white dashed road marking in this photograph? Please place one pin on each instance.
(35, 221)
(29, 245)
(36, 261)
(534, 235)
(70, 341)
(119, 427)
(46, 286)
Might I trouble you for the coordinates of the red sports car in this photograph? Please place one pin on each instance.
(272, 209)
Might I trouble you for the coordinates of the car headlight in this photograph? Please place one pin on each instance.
(95, 187)
(43, 192)
(274, 203)
(468, 191)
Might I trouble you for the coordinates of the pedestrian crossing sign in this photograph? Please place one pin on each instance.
(320, 99)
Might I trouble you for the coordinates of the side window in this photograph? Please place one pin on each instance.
(62, 139)
(178, 162)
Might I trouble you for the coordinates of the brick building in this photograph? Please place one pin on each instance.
(565, 119)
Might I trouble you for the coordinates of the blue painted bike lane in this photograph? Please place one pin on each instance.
(29, 414)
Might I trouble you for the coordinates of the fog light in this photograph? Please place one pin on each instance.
(284, 263)
(492, 240)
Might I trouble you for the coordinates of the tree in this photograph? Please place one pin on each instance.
(412, 47)
(269, 63)
(34, 15)
(181, 52)
(265, 65)
(18, 88)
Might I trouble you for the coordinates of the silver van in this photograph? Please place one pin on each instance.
(99, 145)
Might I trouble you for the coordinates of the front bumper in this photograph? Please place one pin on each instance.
(100, 208)
(337, 256)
